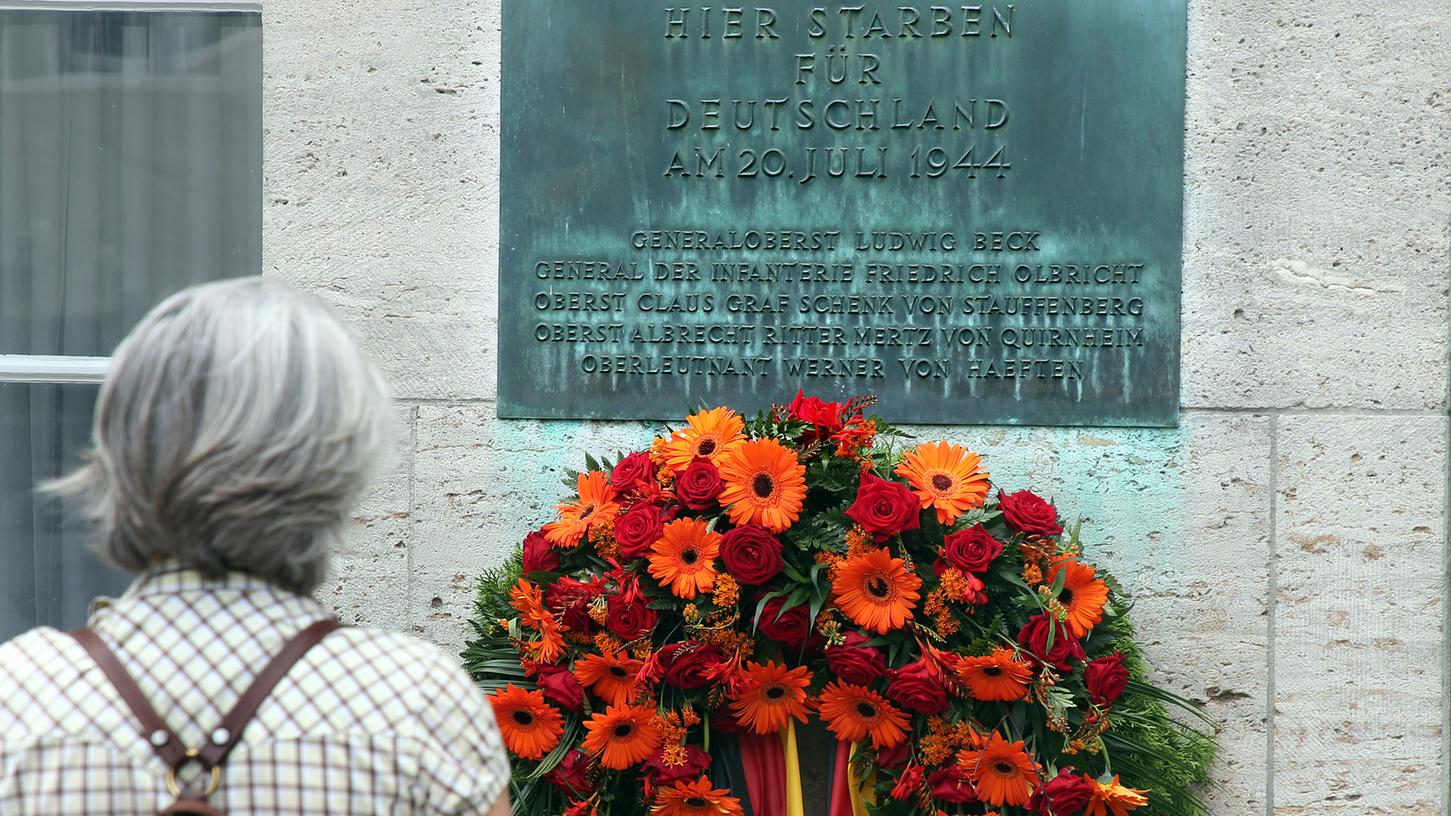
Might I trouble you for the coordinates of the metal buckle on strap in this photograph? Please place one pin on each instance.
(173, 788)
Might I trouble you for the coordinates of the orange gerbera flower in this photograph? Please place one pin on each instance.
(1083, 595)
(876, 590)
(1113, 798)
(611, 677)
(622, 735)
(696, 798)
(995, 677)
(683, 560)
(708, 433)
(946, 477)
(530, 726)
(772, 695)
(596, 506)
(852, 713)
(765, 484)
(1002, 771)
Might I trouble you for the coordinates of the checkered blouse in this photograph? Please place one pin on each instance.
(368, 722)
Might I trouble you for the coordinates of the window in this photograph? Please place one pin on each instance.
(130, 167)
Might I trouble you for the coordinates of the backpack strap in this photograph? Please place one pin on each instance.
(225, 737)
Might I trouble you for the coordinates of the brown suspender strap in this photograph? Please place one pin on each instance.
(224, 738)
(153, 728)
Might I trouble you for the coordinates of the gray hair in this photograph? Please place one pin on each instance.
(237, 426)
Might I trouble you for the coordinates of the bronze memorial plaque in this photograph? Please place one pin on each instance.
(971, 211)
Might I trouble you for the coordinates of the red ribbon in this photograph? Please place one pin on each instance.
(841, 781)
(764, 761)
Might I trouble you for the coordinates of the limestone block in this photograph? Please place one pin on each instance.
(381, 179)
(1316, 205)
(1358, 660)
(368, 585)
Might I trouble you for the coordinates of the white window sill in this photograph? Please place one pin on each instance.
(131, 5)
(26, 368)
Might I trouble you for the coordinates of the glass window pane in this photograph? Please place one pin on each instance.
(130, 167)
(49, 573)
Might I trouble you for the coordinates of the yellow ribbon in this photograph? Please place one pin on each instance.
(863, 791)
(794, 806)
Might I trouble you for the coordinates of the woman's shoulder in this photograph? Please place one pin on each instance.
(424, 670)
(391, 682)
(40, 650)
(39, 672)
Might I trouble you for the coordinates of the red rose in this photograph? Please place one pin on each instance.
(791, 627)
(855, 662)
(690, 665)
(560, 685)
(571, 775)
(826, 417)
(698, 485)
(1025, 512)
(539, 554)
(885, 508)
(950, 784)
(751, 554)
(569, 599)
(632, 470)
(915, 686)
(630, 619)
(697, 762)
(971, 550)
(896, 756)
(1106, 678)
(637, 529)
(1063, 795)
(1034, 638)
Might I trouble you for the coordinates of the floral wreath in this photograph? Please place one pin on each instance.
(652, 648)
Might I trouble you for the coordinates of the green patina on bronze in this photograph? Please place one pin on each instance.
(972, 211)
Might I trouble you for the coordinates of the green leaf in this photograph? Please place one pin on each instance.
(795, 574)
(1058, 582)
(816, 572)
(799, 596)
(816, 604)
(760, 606)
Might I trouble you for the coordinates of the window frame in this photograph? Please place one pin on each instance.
(64, 369)
(55, 587)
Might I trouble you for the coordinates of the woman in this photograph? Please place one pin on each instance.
(237, 426)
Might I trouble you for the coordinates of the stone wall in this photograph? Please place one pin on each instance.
(1287, 540)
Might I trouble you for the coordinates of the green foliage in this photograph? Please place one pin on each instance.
(1147, 746)
(1148, 749)
(489, 657)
